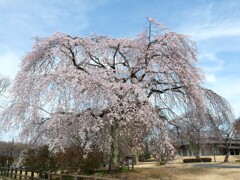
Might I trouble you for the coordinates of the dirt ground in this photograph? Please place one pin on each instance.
(177, 170)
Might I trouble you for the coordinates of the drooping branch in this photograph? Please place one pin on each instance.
(4, 84)
(161, 91)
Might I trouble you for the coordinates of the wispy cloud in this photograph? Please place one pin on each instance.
(213, 20)
(214, 64)
(216, 29)
(21, 20)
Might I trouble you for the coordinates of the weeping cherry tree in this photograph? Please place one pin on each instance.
(108, 92)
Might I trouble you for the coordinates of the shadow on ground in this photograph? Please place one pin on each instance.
(216, 165)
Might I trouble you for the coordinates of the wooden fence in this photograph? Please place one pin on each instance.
(23, 174)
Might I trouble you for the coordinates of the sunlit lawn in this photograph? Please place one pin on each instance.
(179, 171)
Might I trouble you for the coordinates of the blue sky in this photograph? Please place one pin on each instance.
(213, 24)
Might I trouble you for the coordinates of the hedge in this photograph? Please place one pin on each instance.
(190, 160)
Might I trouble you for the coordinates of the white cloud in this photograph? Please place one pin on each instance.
(211, 65)
(9, 62)
(228, 86)
(210, 78)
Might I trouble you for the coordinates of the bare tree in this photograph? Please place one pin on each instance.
(187, 130)
(220, 120)
(4, 84)
(236, 127)
(190, 132)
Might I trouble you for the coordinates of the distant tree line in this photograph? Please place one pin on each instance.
(9, 152)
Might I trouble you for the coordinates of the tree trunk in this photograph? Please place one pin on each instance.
(114, 157)
(197, 156)
(197, 153)
(227, 146)
(214, 154)
(227, 154)
(137, 157)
